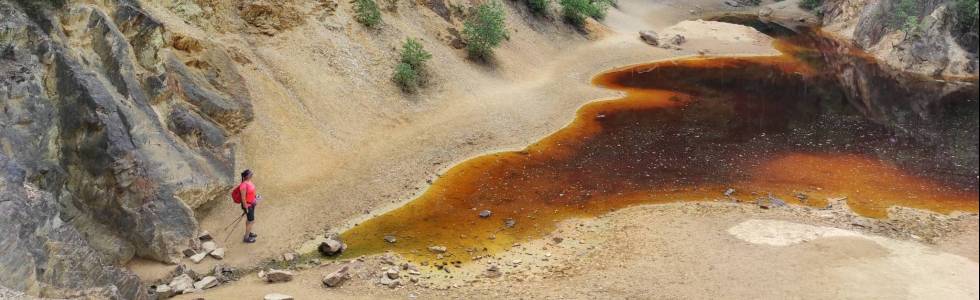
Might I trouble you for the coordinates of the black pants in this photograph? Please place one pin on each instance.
(250, 213)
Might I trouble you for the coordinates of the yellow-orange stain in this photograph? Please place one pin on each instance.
(687, 130)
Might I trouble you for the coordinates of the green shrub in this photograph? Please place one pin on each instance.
(366, 12)
(966, 13)
(410, 71)
(906, 16)
(484, 29)
(575, 11)
(406, 77)
(810, 4)
(538, 7)
(413, 54)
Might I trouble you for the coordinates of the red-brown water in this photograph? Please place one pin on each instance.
(687, 130)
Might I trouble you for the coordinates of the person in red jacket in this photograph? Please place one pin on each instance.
(248, 203)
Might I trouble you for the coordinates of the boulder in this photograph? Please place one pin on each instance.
(337, 277)
(197, 258)
(729, 192)
(510, 223)
(181, 283)
(277, 296)
(390, 239)
(188, 252)
(437, 249)
(209, 246)
(332, 247)
(274, 276)
(485, 213)
(163, 291)
(205, 236)
(206, 283)
(650, 37)
(218, 253)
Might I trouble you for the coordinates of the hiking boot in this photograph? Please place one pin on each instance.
(249, 239)
(253, 235)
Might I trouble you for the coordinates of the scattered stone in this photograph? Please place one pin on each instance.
(163, 291)
(191, 291)
(776, 202)
(392, 273)
(288, 257)
(557, 239)
(650, 37)
(677, 40)
(492, 272)
(337, 277)
(332, 247)
(277, 296)
(388, 258)
(197, 258)
(189, 252)
(388, 281)
(510, 223)
(208, 246)
(181, 283)
(390, 239)
(274, 276)
(729, 192)
(485, 213)
(206, 283)
(205, 236)
(409, 267)
(437, 249)
(802, 197)
(218, 253)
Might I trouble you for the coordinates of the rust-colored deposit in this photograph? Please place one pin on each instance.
(687, 130)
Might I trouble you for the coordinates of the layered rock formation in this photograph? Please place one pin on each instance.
(122, 126)
(935, 47)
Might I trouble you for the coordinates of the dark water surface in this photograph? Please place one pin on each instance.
(688, 130)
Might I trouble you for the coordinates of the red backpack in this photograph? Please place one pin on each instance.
(236, 194)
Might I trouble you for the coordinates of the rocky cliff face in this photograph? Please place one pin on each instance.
(122, 126)
(935, 47)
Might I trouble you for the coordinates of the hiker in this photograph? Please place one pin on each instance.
(248, 205)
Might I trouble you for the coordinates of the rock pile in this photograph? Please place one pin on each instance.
(207, 247)
(183, 280)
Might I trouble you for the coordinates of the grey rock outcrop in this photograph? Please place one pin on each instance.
(936, 47)
(124, 125)
(40, 254)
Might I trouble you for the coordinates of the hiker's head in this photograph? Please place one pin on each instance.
(246, 175)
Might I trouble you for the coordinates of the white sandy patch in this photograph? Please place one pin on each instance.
(782, 233)
(925, 272)
(718, 31)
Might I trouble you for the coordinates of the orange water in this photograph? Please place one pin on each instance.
(686, 131)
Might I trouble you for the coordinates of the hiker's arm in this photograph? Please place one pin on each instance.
(243, 191)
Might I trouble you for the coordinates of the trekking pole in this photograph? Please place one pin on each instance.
(232, 227)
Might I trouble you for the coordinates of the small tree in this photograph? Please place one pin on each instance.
(484, 29)
(413, 54)
(409, 73)
(366, 12)
(538, 7)
(406, 77)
